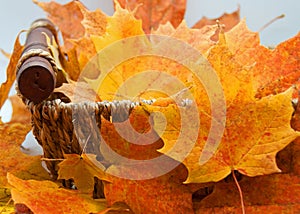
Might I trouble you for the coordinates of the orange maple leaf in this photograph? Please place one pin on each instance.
(48, 197)
(164, 194)
(10, 71)
(12, 159)
(275, 70)
(67, 17)
(156, 12)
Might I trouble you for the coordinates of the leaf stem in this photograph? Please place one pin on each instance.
(270, 22)
(6, 205)
(240, 191)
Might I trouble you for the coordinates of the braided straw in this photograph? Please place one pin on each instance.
(37, 52)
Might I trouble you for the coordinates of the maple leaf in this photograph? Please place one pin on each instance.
(13, 160)
(82, 168)
(239, 95)
(156, 12)
(260, 141)
(164, 194)
(275, 70)
(121, 25)
(283, 73)
(136, 167)
(136, 140)
(34, 194)
(10, 72)
(94, 23)
(67, 17)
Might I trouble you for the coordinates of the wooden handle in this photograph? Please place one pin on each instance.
(36, 70)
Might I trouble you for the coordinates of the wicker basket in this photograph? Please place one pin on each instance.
(56, 126)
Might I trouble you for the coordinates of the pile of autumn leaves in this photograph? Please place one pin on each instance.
(257, 85)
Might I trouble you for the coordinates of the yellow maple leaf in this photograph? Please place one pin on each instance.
(82, 168)
(121, 25)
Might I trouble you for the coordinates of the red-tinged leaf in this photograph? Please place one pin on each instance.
(278, 69)
(164, 194)
(140, 175)
(67, 17)
(12, 159)
(156, 12)
(94, 22)
(275, 70)
(82, 168)
(47, 197)
(227, 22)
(136, 140)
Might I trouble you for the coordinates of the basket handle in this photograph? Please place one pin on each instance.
(36, 70)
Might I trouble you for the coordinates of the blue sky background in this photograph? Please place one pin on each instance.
(18, 15)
